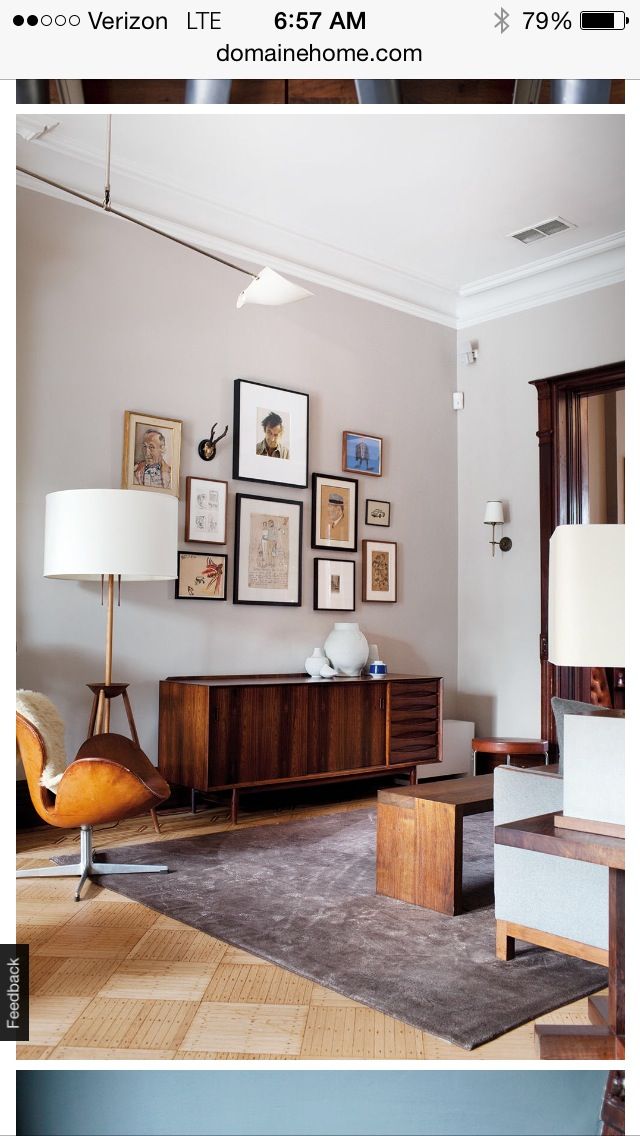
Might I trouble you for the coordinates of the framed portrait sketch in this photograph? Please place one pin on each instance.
(379, 564)
(151, 456)
(205, 517)
(201, 576)
(334, 512)
(334, 585)
(362, 453)
(378, 513)
(270, 434)
(268, 551)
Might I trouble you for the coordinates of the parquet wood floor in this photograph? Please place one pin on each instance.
(111, 980)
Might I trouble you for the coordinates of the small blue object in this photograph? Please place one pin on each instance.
(377, 669)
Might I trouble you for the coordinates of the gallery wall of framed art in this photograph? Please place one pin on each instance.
(270, 444)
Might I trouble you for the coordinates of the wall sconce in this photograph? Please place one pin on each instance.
(494, 515)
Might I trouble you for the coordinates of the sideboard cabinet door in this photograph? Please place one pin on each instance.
(346, 727)
(265, 733)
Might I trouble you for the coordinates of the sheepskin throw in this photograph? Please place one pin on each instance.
(42, 714)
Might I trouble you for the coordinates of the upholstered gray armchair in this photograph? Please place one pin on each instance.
(556, 903)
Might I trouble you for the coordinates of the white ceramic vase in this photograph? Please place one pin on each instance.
(347, 649)
(316, 661)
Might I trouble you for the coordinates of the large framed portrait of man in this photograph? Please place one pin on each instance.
(270, 434)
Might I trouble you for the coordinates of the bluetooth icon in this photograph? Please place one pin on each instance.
(501, 21)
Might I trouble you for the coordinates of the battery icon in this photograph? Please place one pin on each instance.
(603, 21)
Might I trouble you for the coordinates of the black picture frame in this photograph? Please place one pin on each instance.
(251, 400)
(341, 485)
(347, 566)
(260, 555)
(370, 509)
(204, 556)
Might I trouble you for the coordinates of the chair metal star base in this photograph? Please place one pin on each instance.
(86, 867)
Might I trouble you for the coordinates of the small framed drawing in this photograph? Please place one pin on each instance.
(205, 511)
(334, 585)
(270, 434)
(378, 513)
(268, 551)
(362, 453)
(334, 512)
(201, 576)
(379, 562)
(151, 455)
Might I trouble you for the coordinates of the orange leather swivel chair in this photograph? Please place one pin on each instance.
(110, 779)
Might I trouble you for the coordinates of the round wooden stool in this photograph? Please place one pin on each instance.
(519, 748)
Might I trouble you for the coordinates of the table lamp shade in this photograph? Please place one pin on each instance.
(91, 533)
(586, 596)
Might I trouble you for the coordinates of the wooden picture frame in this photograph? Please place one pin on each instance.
(361, 453)
(151, 453)
(334, 584)
(379, 571)
(201, 576)
(334, 512)
(205, 516)
(268, 551)
(264, 418)
(377, 513)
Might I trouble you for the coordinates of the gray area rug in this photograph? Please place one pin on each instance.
(302, 895)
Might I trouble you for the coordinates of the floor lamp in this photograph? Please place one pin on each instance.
(109, 534)
(587, 629)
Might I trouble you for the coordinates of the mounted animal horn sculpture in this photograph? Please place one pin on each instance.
(207, 447)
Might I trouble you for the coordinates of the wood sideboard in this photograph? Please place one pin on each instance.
(235, 732)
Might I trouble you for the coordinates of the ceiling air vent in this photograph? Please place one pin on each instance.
(544, 229)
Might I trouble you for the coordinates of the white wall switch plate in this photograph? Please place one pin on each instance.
(458, 400)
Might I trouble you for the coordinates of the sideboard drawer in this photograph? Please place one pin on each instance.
(415, 722)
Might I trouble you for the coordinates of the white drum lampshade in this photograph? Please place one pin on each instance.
(586, 596)
(91, 533)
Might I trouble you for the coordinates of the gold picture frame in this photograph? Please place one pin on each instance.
(154, 464)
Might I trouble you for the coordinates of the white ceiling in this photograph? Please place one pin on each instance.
(412, 210)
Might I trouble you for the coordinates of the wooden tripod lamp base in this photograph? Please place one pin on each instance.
(99, 718)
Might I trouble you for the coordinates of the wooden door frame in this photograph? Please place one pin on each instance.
(563, 501)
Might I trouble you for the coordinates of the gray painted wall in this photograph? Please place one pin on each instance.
(115, 319)
(318, 1103)
(499, 599)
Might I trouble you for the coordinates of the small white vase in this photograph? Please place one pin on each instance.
(316, 661)
(347, 649)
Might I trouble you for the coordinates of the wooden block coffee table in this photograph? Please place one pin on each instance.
(419, 845)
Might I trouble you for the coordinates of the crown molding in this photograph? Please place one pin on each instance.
(596, 265)
(242, 236)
